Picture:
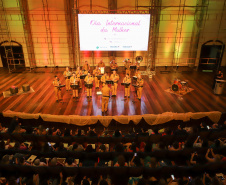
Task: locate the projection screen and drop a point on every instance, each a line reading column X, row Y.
column 114, row 32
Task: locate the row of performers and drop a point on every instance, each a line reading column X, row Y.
column 113, row 65
column 75, row 82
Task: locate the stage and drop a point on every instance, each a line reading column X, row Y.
column 155, row 99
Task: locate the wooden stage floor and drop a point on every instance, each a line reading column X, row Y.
column 155, row 100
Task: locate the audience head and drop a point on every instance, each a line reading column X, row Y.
column 162, row 182
column 89, row 149
column 217, row 158
column 155, row 130
column 15, row 118
column 205, row 143
column 161, row 145
column 148, row 147
column 2, row 145
column 175, row 145
column 133, row 147
column 92, row 133
column 53, row 161
column 102, row 148
column 198, row 158
column 67, row 132
column 85, row 182
column 203, row 125
column 137, row 161
column 215, row 126
column 217, row 143
column 179, row 127
column 153, row 162
column 79, row 132
column 103, row 182
column 17, row 145
column 142, row 182
column 121, row 160
column 5, row 159
column 168, row 131
column 117, row 133
column 197, row 181
column 69, row 161
column 37, row 162
column 119, row 147
column 75, row 146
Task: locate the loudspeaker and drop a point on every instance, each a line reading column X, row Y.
column 13, row 90
column 26, row 87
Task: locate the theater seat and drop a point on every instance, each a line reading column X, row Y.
column 40, row 170
column 105, row 140
column 119, row 175
column 79, row 139
column 104, row 171
column 135, row 171
column 67, row 139
column 5, row 136
column 152, row 172
column 142, row 138
column 155, row 138
column 54, row 139
column 92, row 140
column 70, row 171
column 167, row 139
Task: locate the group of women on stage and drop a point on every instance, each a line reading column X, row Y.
column 74, row 80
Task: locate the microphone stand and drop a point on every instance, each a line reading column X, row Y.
column 109, row 97
column 134, row 99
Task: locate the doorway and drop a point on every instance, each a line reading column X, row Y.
column 12, row 56
column 211, row 55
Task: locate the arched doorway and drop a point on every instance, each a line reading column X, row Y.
column 211, row 55
column 12, row 55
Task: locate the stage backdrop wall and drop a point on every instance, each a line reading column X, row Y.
column 174, row 38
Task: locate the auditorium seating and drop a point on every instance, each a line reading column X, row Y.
column 180, row 158
column 123, row 171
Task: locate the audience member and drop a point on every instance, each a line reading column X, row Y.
column 203, row 127
column 13, row 124
column 180, row 131
column 215, row 157
column 120, row 161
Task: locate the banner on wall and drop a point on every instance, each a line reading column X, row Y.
column 114, row 32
